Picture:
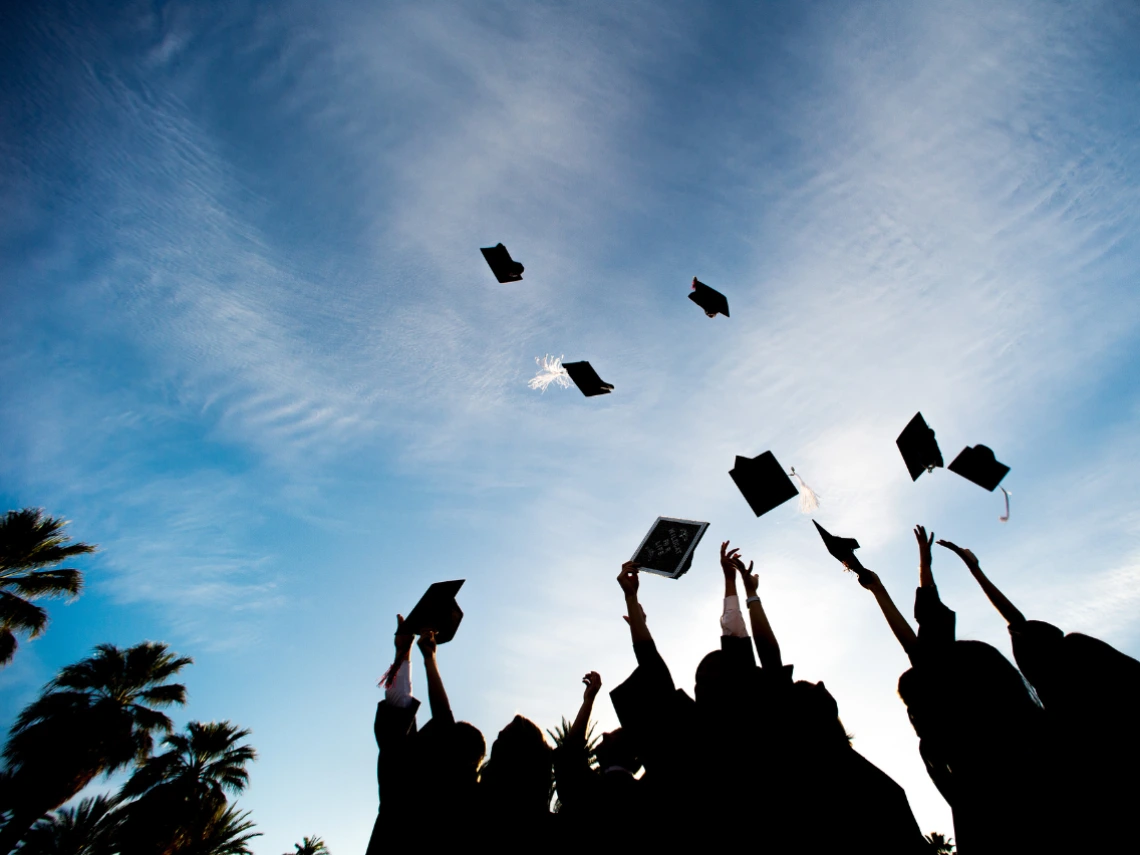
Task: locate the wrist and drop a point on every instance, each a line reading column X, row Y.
column 753, row 599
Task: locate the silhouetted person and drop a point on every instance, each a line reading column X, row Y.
column 515, row 786
column 395, row 729
column 982, row 735
column 810, row 785
column 1090, row 692
column 447, row 756
column 609, row 796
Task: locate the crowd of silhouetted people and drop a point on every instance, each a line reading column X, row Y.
column 1032, row 760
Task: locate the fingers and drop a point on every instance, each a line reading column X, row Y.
column 625, row 618
column 953, row 547
column 723, row 547
column 750, row 573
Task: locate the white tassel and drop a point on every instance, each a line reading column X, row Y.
column 1005, row 492
column 809, row 501
column 550, row 370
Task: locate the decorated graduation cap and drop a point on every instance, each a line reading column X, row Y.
column 436, row 611
column 918, row 447
column 842, row 549
column 668, row 548
column 978, row 464
column 505, row 268
column 763, row 482
column 587, row 379
column 709, row 299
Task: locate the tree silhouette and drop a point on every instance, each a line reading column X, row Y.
column 310, row 846
column 97, row 716
column 30, row 543
column 180, row 794
column 940, row 844
column 87, row 829
column 558, row 737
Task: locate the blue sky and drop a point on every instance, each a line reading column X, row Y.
column 250, row 348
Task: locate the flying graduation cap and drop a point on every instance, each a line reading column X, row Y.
column 977, row 463
column 587, row 379
column 437, row 610
column 505, row 268
column 763, row 482
column 974, row 463
column 842, row 549
column 918, row 447
column 709, row 299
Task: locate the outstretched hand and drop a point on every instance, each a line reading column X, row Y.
column 728, row 560
column 427, row 644
column 628, row 578
column 869, row 579
column 965, row 554
column 404, row 638
column 924, row 543
column 593, row 682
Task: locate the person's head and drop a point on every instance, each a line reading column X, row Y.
column 617, row 749
column 470, row 748
column 814, row 716
column 519, row 769
column 709, row 685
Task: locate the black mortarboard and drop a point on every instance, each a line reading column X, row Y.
column 709, row 299
column 919, row 448
column 977, row 464
column 503, row 266
column 436, row 610
column 763, row 482
column 842, row 549
column 587, row 379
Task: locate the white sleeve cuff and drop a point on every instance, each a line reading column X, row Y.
column 732, row 621
column 399, row 691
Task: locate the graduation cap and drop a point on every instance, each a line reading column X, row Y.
column 977, row 464
column 763, row 482
column 842, row 549
column 505, row 268
column 587, row 379
column 919, row 448
column 436, row 610
column 709, row 299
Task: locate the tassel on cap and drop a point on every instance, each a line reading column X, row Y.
column 1005, row 493
column 809, row 501
column 550, row 370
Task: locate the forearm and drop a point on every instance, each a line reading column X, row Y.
column 577, row 735
column 767, row 648
column 896, row 621
column 638, row 629
column 437, row 695
column 1008, row 610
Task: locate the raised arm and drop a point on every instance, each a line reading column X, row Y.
column 437, row 696
column 767, row 648
column 925, row 574
column 895, row 620
column 1008, row 610
column 577, row 734
column 731, row 619
column 629, row 581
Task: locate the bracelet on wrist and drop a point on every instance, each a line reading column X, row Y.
column 752, row 599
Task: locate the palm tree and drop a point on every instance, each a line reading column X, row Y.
column 227, row 832
column 940, row 844
column 84, row 830
column 29, row 544
column 97, row 716
column 310, row 846
column 180, row 793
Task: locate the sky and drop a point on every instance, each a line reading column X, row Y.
column 249, row 347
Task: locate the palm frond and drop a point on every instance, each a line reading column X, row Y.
column 63, row 582
column 16, row 613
